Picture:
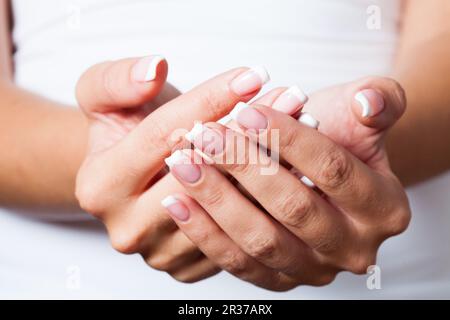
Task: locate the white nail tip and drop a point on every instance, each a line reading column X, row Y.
column 365, row 105
column 195, row 131
column 238, row 108
column 176, row 158
column 262, row 74
column 297, row 92
column 168, row 201
column 151, row 71
column 308, row 120
column 307, row 182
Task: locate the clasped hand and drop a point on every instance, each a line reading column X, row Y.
column 326, row 208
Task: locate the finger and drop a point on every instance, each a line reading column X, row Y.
column 139, row 156
column 171, row 252
column 299, row 208
column 346, row 180
column 252, row 230
column 217, row 246
column 201, row 269
column 113, row 85
column 377, row 102
column 287, row 100
column 133, row 224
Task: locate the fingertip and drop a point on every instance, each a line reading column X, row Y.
column 370, row 103
column 149, row 68
column 291, row 100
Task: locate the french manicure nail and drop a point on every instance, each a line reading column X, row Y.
column 195, row 131
column 209, row 141
column 308, row 120
column 370, row 101
column 145, row 69
column 290, row 101
column 249, row 117
column 176, row 208
column 182, row 167
column 250, row 81
column 307, row 182
column 233, row 113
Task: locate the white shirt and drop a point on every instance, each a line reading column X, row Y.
column 310, row 43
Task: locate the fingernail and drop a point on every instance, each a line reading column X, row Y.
column 145, row 69
column 195, row 131
column 250, row 118
column 233, row 113
column 209, row 141
column 370, row 101
column 176, row 208
column 290, row 101
column 250, row 81
column 307, row 182
column 308, row 120
column 182, row 167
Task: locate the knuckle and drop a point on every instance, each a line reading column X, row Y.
column 212, row 103
column 89, row 195
column 126, row 242
column 282, row 286
column 213, row 197
column 241, row 167
column 184, row 277
column 263, row 247
column 297, row 210
column 162, row 262
column 399, row 221
column 288, row 141
column 157, row 135
column 234, row 262
column 324, row 279
column 359, row 264
column 201, row 237
column 335, row 170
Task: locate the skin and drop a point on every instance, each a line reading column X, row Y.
column 312, row 236
column 26, row 186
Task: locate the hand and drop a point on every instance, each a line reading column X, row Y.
column 307, row 237
column 122, row 177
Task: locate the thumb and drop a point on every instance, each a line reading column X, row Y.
column 127, row 83
column 377, row 102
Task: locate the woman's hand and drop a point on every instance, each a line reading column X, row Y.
column 122, row 179
column 298, row 235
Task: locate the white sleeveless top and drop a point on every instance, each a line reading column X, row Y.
column 311, row 43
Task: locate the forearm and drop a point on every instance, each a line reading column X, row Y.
column 419, row 145
column 42, row 147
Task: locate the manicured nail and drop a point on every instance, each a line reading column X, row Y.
column 307, row 182
column 249, row 117
column 302, row 178
column 233, row 113
column 290, row 101
column 195, row 131
column 176, row 208
column 308, row 120
column 145, row 69
column 182, row 167
column 250, row 81
column 209, row 141
column 370, row 101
